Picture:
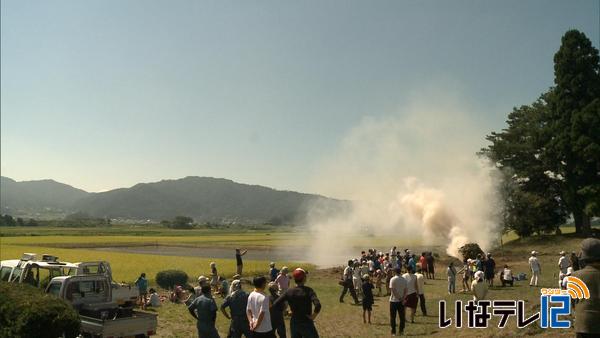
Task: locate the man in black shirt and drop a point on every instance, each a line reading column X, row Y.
column 301, row 299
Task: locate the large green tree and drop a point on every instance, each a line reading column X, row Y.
column 531, row 194
column 572, row 150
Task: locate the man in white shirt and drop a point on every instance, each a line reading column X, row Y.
column 347, row 282
column 257, row 310
column 563, row 263
column 421, row 285
column 398, row 292
column 536, row 269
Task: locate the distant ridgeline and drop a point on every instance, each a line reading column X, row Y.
column 204, row 199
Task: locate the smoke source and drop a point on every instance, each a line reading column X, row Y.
column 411, row 176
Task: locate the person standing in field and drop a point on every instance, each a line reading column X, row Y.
column 237, row 302
column 398, row 293
column 536, row 269
column 465, row 272
column 142, row 284
column 301, row 300
column 214, row 277
column 421, row 285
column 204, row 309
column 347, row 282
column 490, row 269
column 283, row 280
column 277, row 311
column 273, row 272
column 430, row 265
column 423, row 263
column 587, row 311
column 451, row 272
column 574, row 261
column 367, row 301
column 238, row 260
column 563, row 263
column 412, row 292
column 257, row 310
column 379, row 279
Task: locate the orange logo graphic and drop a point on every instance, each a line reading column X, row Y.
column 577, row 288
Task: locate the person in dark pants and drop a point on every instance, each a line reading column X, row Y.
column 347, row 282
column 398, row 288
column 237, row 302
column 301, row 300
column 204, row 309
column 277, row 320
column 238, row 260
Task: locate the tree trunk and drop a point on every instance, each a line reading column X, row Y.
column 586, row 225
column 578, row 217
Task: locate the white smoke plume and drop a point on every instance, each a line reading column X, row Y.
column 412, row 176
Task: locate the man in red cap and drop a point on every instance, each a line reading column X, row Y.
column 301, row 298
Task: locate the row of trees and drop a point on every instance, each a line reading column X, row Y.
column 9, row 221
column 549, row 153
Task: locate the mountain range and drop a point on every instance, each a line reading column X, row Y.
column 205, row 199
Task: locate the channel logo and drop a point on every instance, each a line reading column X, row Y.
column 576, row 288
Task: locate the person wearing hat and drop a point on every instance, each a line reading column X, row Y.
column 282, row 280
column 563, row 263
column 204, row 310
column 347, row 282
column 367, row 301
column 202, row 281
column 301, row 300
column 536, row 269
column 587, row 311
column 237, row 302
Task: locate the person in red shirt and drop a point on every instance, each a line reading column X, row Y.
column 423, row 262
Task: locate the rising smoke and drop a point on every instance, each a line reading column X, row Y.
column 413, row 176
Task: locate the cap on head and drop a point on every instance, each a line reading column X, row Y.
column 299, row 274
column 533, row 253
column 272, row 264
column 590, row 249
column 562, row 253
column 236, row 276
column 365, row 276
column 569, row 270
column 284, row 270
column 202, row 279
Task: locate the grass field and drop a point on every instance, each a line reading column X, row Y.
column 336, row 320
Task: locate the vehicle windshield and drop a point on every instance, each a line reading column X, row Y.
column 16, row 273
column 40, row 276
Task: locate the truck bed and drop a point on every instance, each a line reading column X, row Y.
column 139, row 323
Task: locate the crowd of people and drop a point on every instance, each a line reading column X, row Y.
column 405, row 290
column 399, row 275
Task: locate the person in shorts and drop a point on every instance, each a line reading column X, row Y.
column 367, row 301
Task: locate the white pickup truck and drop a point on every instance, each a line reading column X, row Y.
column 123, row 294
column 91, row 296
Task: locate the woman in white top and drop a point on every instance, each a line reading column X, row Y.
column 412, row 292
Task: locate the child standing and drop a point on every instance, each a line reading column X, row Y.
column 367, row 301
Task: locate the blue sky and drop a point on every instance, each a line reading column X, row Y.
column 105, row 94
